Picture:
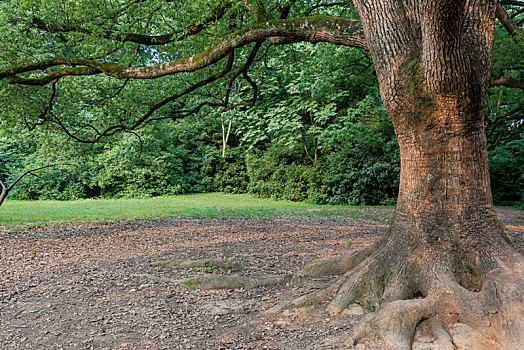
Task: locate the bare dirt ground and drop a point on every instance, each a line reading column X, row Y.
column 76, row 288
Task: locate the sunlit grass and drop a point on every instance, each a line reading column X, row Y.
column 27, row 214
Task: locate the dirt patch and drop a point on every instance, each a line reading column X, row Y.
column 76, row 288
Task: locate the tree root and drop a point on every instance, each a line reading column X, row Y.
column 337, row 265
column 395, row 322
column 203, row 263
column 209, row 281
column 442, row 338
column 432, row 301
column 308, row 300
column 421, row 298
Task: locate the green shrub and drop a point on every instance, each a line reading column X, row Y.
column 362, row 155
column 227, row 174
column 507, row 173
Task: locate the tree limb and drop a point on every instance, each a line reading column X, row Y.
column 508, row 23
column 146, row 117
column 336, row 30
column 507, row 81
column 136, row 38
column 29, row 172
column 55, row 75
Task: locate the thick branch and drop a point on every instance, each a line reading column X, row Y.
column 507, row 81
column 507, row 22
column 336, row 30
column 147, row 116
column 55, row 75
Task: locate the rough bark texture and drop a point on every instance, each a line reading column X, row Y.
column 445, row 256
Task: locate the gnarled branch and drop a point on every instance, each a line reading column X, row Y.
column 146, row 118
column 336, row 30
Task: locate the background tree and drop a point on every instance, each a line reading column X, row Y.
column 5, row 189
column 445, row 258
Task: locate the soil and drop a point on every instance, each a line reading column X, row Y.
column 77, row 288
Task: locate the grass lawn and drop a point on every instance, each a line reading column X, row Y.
column 29, row 214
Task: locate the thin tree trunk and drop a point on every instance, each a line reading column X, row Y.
column 6, row 189
column 225, row 137
column 3, row 194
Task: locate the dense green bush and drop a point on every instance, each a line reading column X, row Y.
column 281, row 173
column 171, row 160
column 318, row 133
column 363, row 161
column 226, row 174
column 359, row 163
column 507, row 173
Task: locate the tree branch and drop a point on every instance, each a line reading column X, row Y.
column 5, row 190
column 331, row 4
column 53, row 76
column 513, row 3
column 506, row 117
column 508, row 23
column 335, row 30
column 146, row 117
column 507, row 81
column 136, row 38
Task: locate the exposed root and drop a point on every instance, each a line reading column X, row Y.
column 395, row 323
column 337, row 265
column 310, row 299
column 456, row 318
column 442, row 338
column 203, row 263
column 364, row 282
column 417, row 294
column 208, row 281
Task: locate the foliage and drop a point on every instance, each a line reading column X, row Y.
column 318, row 132
column 504, row 105
column 364, row 161
column 227, row 174
column 507, row 173
column 277, row 174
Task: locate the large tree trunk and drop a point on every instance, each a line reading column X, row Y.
column 445, row 256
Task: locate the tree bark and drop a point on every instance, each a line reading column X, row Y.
column 3, row 194
column 433, row 62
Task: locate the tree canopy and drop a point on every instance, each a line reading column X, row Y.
column 290, row 84
column 95, row 69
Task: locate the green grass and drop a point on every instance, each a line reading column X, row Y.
column 31, row 214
